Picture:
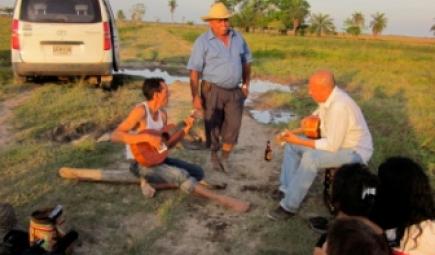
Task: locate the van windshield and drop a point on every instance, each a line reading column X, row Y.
column 61, row 11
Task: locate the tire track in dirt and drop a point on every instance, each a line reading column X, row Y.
column 6, row 108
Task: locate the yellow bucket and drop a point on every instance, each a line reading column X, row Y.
column 42, row 227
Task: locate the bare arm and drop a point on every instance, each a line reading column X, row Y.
column 294, row 139
column 246, row 78
column 122, row 132
column 180, row 133
column 246, row 74
column 194, row 86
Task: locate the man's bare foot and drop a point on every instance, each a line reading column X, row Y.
column 146, row 188
column 242, row 208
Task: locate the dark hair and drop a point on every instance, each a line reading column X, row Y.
column 354, row 190
column 352, row 236
column 151, row 86
column 405, row 195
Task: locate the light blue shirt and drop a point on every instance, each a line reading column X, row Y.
column 220, row 64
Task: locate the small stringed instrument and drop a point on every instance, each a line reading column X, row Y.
column 310, row 128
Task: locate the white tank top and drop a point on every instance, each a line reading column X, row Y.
column 151, row 124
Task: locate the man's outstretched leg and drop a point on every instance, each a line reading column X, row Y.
column 181, row 178
column 226, row 201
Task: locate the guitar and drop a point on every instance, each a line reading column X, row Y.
column 147, row 155
column 310, row 127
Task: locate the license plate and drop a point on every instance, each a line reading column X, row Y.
column 62, row 50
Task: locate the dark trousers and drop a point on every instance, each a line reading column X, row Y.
column 223, row 114
column 194, row 171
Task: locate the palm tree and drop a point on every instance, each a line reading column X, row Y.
column 433, row 29
column 172, row 5
column 358, row 19
column 355, row 24
column 379, row 23
column 120, row 15
column 321, row 24
column 137, row 12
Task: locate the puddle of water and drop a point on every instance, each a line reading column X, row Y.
column 260, row 86
column 257, row 87
column 156, row 73
column 272, row 116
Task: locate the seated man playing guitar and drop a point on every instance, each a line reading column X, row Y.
column 148, row 138
column 344, row 138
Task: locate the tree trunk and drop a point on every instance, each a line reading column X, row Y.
column 109, row 176
column 296, row 25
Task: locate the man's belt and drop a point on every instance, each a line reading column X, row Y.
column 206, row 86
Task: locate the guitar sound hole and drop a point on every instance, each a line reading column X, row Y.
column 165, row 136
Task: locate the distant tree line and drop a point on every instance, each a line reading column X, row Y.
column 6, row 11
column 138, row 11
column 281, row 16
column 295, row 16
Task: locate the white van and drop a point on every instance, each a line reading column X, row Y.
column 64, row 38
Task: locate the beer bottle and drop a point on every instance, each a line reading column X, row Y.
column 268, row 152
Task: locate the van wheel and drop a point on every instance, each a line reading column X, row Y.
column 94, row 81
column 106, row 85
column 106, row 82
column 19, row 79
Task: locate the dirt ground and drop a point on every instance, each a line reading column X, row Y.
column 251, row 179
column 208, row 228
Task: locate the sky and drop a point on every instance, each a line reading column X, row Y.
column 405, row 17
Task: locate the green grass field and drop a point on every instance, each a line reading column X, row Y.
column 393, row 81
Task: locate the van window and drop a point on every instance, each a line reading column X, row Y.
column 61, row 11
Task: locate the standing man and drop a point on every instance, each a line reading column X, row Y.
column 345, row 138
column 221, row 59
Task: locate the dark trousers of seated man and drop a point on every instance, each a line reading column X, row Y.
column 174, row 171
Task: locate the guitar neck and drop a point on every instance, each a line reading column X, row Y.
column 297, row 130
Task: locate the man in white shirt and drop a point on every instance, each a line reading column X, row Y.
column 345, row 138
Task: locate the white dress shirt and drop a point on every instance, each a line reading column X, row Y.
column 343, row 126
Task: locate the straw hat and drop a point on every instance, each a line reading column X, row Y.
column 217, row 11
